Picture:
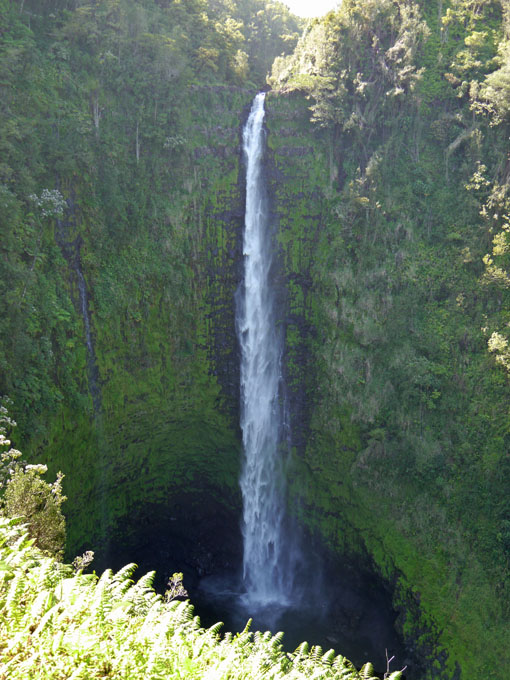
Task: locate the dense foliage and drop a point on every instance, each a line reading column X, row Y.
column 91, row 106
column 120, row 206
column 24, row 494
column 408, row 307
column 58, row 624
column 108, row 189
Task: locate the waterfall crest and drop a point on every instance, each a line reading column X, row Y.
column 262, row 404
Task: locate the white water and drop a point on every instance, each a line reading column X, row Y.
column 266, row 576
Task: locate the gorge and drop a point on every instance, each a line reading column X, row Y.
column 386, row 174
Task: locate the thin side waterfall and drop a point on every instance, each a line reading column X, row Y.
column 91, row 355
column 265, row 563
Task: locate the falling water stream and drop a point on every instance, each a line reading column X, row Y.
column 91, row 356
column 265, row 574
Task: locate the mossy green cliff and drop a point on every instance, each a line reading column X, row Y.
column 387, row 187
column 117, row 345
column 161, row 311
column 384, row 374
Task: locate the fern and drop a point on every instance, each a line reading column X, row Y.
column 215, row 628
column 57, row 624
column 277, row 640
column 302, row 650
column 121, row 581
column 328, row 657
column 341, row 662
column 367, row 672
column 145, row 583
column 46, row 577
column 101, row 603
column 316, row 653
column 14, row 603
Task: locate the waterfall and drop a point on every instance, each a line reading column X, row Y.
column 71, row 252
column 91, row 356
column 265, row 560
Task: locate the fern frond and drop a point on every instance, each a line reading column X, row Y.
column 277, row 639
column 45, row 574
column 14, row 604
column 303, row 649
column 121, row 581
column 125, row 573
column 46, row 620
column 341, row 662
column 39, row 605
column 145, row 583
column 102, row 601
column 105, row 578
column 184, row 612
column 215, row 629
column 316, row 653
column 367, row 672
column 328, row 657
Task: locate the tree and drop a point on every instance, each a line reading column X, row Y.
column 27, row 495
column 357, row 63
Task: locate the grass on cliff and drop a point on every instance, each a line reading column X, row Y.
column 56, row 623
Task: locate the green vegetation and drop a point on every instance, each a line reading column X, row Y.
column 58, row 624
column 110, row 106
column 401, row 187
column 120, row 176
column 25, row 495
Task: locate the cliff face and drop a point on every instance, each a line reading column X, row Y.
column 118, row 341
column 120, row 224
column 384, row 364
column 391, row 384
column 155, row 451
